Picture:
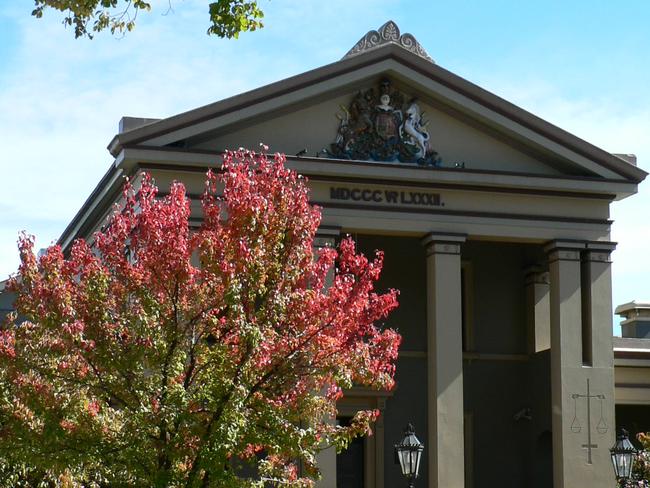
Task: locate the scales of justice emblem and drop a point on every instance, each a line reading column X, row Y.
column 601, row 426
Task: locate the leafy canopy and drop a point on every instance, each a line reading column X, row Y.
column 641, row 467
column 228, row 18
column 165, row 356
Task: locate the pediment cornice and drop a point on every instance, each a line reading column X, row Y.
column 389, row 58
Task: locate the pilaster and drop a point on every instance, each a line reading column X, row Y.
column 581, row 375
column 537, row 309
column 326, row 459
column 598, row 267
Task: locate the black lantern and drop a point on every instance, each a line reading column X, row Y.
column 623, row 455
column 408, row 453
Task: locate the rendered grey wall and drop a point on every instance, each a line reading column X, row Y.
column 404, row 270
column 313, row 126
column 496, row 388
column 498, row 295
column 6, row 303
column 505, row 452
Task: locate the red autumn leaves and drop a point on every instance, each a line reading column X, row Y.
column 167, row 350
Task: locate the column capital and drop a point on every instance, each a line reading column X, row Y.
column 599, row 251
column 564, row 249
column 326, row 236
column 440, row 243
column 328, row 231
column 536, row 275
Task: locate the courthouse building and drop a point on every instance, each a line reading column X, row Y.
column 496, row 229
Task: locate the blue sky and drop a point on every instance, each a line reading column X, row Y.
column 582, row 65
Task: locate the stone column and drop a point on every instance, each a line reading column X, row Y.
column 581, row 376
column 326, row 459
column 445, row 361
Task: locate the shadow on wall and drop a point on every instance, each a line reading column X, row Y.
column 543, row 467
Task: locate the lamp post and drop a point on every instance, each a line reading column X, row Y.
column 408, row 453
column 623, row 454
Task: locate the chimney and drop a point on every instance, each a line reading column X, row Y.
column 129, row 123
column 636, row 315
column 628, row 158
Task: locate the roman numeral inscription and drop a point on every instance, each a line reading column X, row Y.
column 373, row 195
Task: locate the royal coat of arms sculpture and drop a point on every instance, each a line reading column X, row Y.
column 380, row 125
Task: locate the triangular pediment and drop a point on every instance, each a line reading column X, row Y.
column 407, row 130
column 480, row 149
column 464, row 126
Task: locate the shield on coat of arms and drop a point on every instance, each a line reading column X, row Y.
column 386, row 125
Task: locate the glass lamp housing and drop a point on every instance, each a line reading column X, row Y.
column 409, row 452
column 623, row 454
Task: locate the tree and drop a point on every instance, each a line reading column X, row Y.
column 159, row 356
column 228, row 18
column 641, row 467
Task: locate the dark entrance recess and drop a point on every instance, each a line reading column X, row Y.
column 543, row 461
column 349, row 463
column 634, row 419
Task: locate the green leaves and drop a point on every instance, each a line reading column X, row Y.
column 228, row 18
column 231, row 17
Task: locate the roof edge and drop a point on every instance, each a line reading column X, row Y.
column 386, row 51
column 110, row 179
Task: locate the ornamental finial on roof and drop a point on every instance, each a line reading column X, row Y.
column 388, row 34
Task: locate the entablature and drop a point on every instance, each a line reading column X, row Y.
column 395, row 173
